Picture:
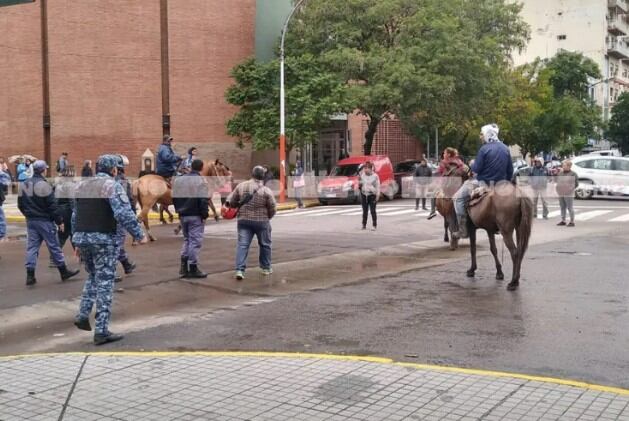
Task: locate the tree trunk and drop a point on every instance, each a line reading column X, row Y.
column 372, row 128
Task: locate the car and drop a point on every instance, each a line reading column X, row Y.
column 342, row 183
column 521, row 175
column 404, row 173
column 519, row 163
column 601, row 175
column 553, row 167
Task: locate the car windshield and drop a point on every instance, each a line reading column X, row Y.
column 345, row 170
column 405, row 167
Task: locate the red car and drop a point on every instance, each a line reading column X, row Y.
column 342, row 183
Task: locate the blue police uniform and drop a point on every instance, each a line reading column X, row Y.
column 95, row 237
column 37, row 203
column 121, row 233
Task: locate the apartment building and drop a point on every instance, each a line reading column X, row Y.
column 597, row 28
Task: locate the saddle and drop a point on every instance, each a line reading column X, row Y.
column 478, row 195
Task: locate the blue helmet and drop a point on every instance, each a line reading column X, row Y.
column 106, row 163
column 119, row 162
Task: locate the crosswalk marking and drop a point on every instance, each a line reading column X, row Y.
column 586, row 216
column 622, row 218
column 404, row 212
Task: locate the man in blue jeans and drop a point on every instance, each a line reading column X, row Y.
column 257, row 208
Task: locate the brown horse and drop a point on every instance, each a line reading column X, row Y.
column 504, row 209
column 444, row 204
column 151, row 190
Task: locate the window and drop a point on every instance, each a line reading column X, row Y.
column 621, row 165
column 345, row 170
column 602, row 164
column 589, row 164
column 561, row 37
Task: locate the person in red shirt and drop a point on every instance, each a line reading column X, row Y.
column 451, row 165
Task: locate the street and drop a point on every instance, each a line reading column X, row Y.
column 397, row 292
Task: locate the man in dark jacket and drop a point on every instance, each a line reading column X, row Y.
column 492, row 165
column 37, row 203
column 422, row 178
column 190, row 197
column 167, row 160
column 538, row 179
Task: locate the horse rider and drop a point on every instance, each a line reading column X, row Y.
column 492, row 165
column 101, row 205
column 187, row 163
column 121, row 234
column 167, row 161
column 451, row 165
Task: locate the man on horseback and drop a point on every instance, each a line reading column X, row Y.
column 167, row 161
column 492, row 164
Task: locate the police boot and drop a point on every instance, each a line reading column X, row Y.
column 194, row 272
column 102, row 339
column 67, row 274
column 183, row 269
column 30, row 277
column 128, row 266
column 462, row 233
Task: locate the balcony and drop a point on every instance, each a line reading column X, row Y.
column 619, row 5
column 617, row 47
column 617, row 24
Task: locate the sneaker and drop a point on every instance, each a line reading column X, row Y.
column 561, row 224
column 240, row 275
column 364, row 227
column 432, row 215
column 571, row 224
column 267, row 272
column 374, row 228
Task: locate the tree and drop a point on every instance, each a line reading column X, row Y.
column 570, row 73
column 619, row 123
column 313, row 95
column 427, row 62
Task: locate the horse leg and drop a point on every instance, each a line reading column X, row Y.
column 446, row 239
column 211, row 204
column 161, row 214
column 144, row 217
column 454, row 241
column 171, row 218
column 494, row 251
column 507, row 237
column 472, row 236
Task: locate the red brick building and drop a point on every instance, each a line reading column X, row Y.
column 116, row 70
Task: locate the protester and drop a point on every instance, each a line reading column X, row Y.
column 24, row 170
column 187, row 163
column 121, row 235
column 5, row 182
column 167, row 160
column 64, row 194
column 87, row 171
column 492, row 165
column 268, row 175
column 452, row 167
column 3, row 166
column 567, row 182
column 62, row 164
column 101, row 205
column 190, row 197
column 538, row 180
column 422, row 179
column 37, row 203
column 299, row 183
column 369, row 185
column 257, row 208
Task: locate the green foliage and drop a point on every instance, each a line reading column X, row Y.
column 619, row 123
column 570, row 73
column 312, row 96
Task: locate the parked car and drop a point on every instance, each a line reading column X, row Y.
column 521, row 175
column 601, row 175
column 553, row 167
column 342, row 183
column 404, row 173
column 519, row 163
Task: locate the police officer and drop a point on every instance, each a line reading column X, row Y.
column 101, row 205
column 121, row 234
column 37, row 203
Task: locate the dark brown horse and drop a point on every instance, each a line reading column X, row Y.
column 449, row 184
column 504, row 209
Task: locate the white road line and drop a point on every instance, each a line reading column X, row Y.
column 551, row 214
column 406, row 211
column 586, row 216
column 309, row 212
column 622, row 218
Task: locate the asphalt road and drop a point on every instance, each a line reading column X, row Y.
column 568, row 319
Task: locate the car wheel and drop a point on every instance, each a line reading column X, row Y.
column 323, row 202
column 584, row 193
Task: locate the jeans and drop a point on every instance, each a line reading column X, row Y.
column 369, row 204
column 537, row 194
column 421, row 193
column 3, row 224
column 38, row 231
column 246, row 231
column 462, row 196
column 193, row 228
column 299, row 192
column 566, row 203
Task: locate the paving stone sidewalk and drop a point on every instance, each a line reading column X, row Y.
column 271, row 387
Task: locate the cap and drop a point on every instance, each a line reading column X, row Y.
column 167, row 138
column 40, row 166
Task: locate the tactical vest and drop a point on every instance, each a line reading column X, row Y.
column 94, row 214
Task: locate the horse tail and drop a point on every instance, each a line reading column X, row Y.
column 523, row 231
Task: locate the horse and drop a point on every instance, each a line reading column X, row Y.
column 445, row 205
column 502, row 209
column 152, row 189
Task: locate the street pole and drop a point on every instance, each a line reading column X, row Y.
column 437, row 144
column 45, row 71
column 283, row 108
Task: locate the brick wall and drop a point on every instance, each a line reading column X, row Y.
column 105, row 77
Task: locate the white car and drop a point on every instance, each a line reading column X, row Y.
column 601, row 174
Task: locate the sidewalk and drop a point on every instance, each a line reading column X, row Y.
column 261, row 386
column 14, row 215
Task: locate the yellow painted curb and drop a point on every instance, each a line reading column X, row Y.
column 377, row 360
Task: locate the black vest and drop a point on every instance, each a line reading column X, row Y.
column 94, row 214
